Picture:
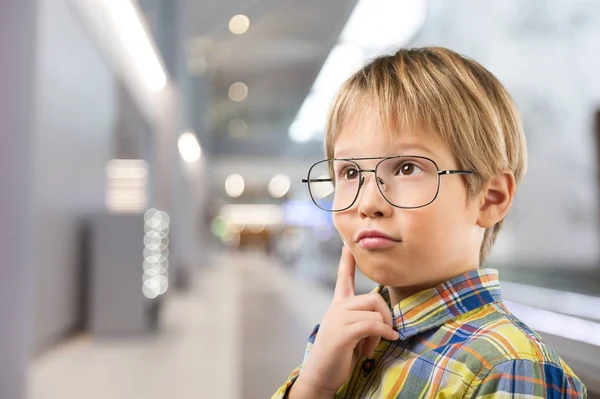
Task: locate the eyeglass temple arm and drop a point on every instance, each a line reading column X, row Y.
column 455, row 172
column 315, row 180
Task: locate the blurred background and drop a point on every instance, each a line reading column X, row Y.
column 156, row 238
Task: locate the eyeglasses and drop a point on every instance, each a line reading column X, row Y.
column 406, row 182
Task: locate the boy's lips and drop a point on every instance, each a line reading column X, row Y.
column 374, row 239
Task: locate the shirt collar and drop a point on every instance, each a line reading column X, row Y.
column 435, row 306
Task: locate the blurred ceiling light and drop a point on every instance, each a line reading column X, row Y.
column 300, row 131
column 311, row 118
column 343, row 60
column 239, row 24
column 234, row 185
column 189, row 148
column 374, row 27
column 127, row 169
column 126, row 18
column 384, row 25
column 279, row 186
column 237, row 127
column 126, row 185
column 238, row 91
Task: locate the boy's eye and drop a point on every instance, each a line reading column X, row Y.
column 349, row 173
column 408, row 169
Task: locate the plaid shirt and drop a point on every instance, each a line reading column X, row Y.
column 457, row 340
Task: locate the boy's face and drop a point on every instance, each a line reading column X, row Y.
column 430, row 244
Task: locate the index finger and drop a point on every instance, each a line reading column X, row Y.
column 344, row 285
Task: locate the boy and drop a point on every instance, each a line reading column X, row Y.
column 424, row 153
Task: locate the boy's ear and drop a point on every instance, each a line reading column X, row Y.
column 496, row 199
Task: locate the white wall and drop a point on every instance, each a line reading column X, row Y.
column 75, row 122
column 17, row 20
column 547, row 55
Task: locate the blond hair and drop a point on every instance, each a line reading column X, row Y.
column 443, row 92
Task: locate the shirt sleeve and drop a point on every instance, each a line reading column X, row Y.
column 285, row 388
column 528, row 379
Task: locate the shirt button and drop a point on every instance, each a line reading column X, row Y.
column 367, row 366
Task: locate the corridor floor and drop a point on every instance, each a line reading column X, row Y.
column 231, row 336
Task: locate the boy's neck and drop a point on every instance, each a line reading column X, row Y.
column 398, row 294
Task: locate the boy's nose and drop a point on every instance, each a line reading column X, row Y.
column 371, row 203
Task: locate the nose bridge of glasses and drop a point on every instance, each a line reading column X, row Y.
column 362, row 175
column 378, row 182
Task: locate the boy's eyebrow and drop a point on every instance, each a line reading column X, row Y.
column 403, row 151
column 418, row 147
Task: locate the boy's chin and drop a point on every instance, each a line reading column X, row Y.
column 393, row 274
column 386, row 276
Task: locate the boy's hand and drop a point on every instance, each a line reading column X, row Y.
column 352, row 326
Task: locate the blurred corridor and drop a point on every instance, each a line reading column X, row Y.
column 240, row 302
column 236, row 304
column 156, row 238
